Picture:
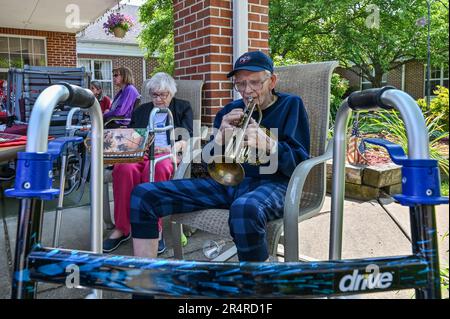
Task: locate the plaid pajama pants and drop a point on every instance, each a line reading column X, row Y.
column 252, row 204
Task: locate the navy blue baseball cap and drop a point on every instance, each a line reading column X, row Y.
column 252, row 61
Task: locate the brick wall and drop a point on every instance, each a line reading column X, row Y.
column 258, row 21
column 394, row 77
column 415, row 79
column 61, row 47
column 204, row 46
column 134, row 63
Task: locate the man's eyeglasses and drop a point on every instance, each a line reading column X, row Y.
column 253, row 84
column 163, row 96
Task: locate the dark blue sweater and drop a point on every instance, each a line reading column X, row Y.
column 289, row 116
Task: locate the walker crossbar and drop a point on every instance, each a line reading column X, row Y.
column 232, row 280
column 251, row 279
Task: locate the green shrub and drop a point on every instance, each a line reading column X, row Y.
column 438, row 106
column 339, row 86
column 392, row 127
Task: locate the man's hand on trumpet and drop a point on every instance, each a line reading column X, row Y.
column 256, row 138
column 229, row 123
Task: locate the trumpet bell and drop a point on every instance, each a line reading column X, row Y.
column 227, row 174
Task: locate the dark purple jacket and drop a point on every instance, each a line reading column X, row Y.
column 122, row 105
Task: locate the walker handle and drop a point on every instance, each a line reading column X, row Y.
column 79, row 97
column 368, row 99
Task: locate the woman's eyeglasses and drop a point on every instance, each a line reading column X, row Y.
column 163, row 96
column 116, row 75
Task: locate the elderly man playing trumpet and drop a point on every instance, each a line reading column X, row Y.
column 258, row 197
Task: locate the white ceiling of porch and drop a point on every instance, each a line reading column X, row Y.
column 52, row 15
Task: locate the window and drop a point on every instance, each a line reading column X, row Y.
column 366, row 84
column 17, row 51
column 101, row 70
column 439, row 76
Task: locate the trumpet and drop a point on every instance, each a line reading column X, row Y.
column 227, row 169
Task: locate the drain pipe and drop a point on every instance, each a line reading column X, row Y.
column 240, row 32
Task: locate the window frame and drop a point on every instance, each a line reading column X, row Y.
column 441, row 79
column 91, row 62
column 5, row 70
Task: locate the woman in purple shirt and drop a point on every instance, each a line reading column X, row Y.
column 123, row 103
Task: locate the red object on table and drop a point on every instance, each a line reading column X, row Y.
column 8, row 140
column 19, row 129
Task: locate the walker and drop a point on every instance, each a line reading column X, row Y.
column 421, row 191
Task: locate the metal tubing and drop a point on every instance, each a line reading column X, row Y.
column 416, row 129
column 41, row 115
column 338, row 182
column 152, row 129
column 418, row 148
column 38, row 142
column 59, row 207
column 30, row 212
column 70, row 130
column 425, row 243
column 29, row 233
column 96, row 182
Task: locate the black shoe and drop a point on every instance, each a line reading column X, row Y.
column 161, row 246
column 110, row 245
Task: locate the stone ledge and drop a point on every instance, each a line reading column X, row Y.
column 364, row 182
column 383, row 175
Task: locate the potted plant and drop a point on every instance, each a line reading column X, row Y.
column 118, row 24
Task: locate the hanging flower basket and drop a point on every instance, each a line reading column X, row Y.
column 118, row 24
column 119, row 32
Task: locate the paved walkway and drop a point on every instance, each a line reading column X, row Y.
column 369, row 231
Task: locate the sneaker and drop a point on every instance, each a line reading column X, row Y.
column 161, row 246
column 110, row 244
column 184, row 240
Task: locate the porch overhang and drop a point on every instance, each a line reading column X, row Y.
column 69, row 16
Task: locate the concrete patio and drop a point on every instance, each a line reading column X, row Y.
column 369, row 231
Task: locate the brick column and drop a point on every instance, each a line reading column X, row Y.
column 204, row 46
column 258, row 25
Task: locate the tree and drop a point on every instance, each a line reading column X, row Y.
column 370, row 37
column 157, row 36
column 375, row 36
column 294, row 24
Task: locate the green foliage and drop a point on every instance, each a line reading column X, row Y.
column 438, row 106
column 444, row 188
column 375, row 36
column 4, row 63
column 157, row 36
column 339, row 87
column 17, row 63
column 278, row 60
column 392, row 127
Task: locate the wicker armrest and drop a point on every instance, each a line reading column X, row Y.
column 183, row 169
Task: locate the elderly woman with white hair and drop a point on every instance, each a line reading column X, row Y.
column 162, row 89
